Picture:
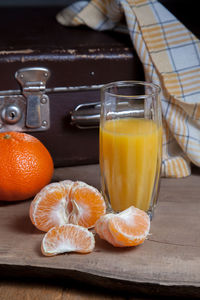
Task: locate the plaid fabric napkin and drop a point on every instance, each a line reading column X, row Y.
column 170, row 55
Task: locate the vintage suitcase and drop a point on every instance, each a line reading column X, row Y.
column 47, row 71
column 50, row 77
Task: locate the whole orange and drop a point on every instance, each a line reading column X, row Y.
column 26, row 166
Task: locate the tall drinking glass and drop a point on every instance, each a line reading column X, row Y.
column 130, row 145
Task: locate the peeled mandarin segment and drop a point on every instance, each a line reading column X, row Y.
column 130, row 227
column 88, row 205
column 67, row 238
column 101, row 228
column 50, row 206
column 108, row 235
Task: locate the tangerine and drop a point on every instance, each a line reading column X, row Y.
column 67, row 202
column 26, row 166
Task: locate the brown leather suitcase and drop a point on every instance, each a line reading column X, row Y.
column 50, row 77
column 47, row 71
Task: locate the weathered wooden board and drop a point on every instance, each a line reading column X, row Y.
column 168, row 262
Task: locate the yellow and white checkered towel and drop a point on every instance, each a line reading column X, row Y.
column 170, row 55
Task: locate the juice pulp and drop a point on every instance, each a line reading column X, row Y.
column 130, row 154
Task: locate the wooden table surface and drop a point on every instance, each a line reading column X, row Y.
column 35, row 290
column 179, row 200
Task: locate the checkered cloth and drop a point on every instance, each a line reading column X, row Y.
column 170, row 55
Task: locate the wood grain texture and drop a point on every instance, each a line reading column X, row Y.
column 168, row 262
column 37, row 291
column 48, row 291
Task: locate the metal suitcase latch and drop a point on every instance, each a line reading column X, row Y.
column 86, row 116
column 28, row 110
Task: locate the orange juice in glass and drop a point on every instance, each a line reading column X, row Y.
column 130, row 145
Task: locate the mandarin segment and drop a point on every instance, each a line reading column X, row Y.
column 130, row 227
column 127, row 228
column 67, row 238
column 88, row 204
column 101, row 227
column 51, row 206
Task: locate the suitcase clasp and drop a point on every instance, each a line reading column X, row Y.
column 29, row 110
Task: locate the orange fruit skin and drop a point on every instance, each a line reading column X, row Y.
column 26, row 166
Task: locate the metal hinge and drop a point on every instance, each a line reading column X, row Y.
column 29, row 110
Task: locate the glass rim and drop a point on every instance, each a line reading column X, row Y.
column 155, row 88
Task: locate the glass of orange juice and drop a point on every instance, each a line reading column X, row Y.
column 130, row 144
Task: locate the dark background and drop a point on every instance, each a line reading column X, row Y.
column 35, row 2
